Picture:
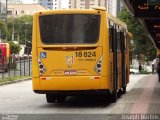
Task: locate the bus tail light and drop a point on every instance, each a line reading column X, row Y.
column 42, row 69
column 98, row 66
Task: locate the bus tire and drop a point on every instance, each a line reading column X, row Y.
column 114, row 96
column 50, row 98
column 60, row 99
column 124, row 90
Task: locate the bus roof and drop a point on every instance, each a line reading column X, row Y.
column 94, row 10
column 116, row 20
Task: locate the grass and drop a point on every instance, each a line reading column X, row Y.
column 7, row 79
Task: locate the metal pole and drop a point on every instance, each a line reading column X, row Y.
column 20, row 66
column 6, row 11
column 29, row 65
column 24, row 66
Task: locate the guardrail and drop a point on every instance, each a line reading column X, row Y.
column 17, row 66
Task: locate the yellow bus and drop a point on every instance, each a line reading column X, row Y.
column 79, row 52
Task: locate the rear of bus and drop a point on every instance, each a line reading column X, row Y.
column 67, row 52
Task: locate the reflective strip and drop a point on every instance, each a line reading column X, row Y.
column 98, row 67
column 42, row 69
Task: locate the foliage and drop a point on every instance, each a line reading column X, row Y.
column 12, row 79
column 15, row 48
column 13, row 65
column 21, row 27
column 3, row 30
column 143, row 46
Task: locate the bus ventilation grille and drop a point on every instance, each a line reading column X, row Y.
column 98, row 67
column 42, row 69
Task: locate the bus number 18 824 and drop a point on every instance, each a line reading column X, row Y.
column 86, row 54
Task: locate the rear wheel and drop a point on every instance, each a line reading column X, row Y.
column 114, row 96
column 51, row 98
column 60, row 99
column 123, row 90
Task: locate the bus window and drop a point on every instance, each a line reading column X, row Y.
column 114, row 39
column 123, row 41
column 118, row 41
column 69, row 28
column 111, row 34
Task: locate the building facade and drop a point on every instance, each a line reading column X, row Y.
column 50, row 4
column 2, row 10
column 112, row 6
column 87, row 4
column 15, row 10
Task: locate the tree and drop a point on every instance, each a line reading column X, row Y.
column 14, row 48
column 3, row 30
column 143, row 45
column 21, row 27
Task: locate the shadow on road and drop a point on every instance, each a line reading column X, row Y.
column 83, row 102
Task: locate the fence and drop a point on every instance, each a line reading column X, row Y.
column 18, row 66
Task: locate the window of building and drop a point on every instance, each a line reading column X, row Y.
column 22, row 12
column 9, row 12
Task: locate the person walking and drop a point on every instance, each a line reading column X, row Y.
column 140, row 68
column 158, row 70
column 154, row 65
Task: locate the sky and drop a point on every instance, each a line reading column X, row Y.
column 64, row 2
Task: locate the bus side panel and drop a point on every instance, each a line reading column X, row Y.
column 105, row 81
column 119, row 60
column 36, row 83
column 111, row 78
column 128, row 38
column 35, row 73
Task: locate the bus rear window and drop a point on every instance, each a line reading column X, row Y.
column 69, row 28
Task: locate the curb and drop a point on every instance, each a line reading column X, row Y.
column 11, row 82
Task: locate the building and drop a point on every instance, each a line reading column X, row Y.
column 2, row 10
column 50, row 4
column 112, row 6
column 87, row 4
column 15, row 10
column 14, row 1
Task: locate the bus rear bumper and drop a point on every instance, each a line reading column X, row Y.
column 71, row 83
column 74, row 92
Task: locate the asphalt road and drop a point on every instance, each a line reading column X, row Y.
column 20, row 102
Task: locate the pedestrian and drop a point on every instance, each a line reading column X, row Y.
column 154, row 64
column 158, row 71
column 140, row 68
